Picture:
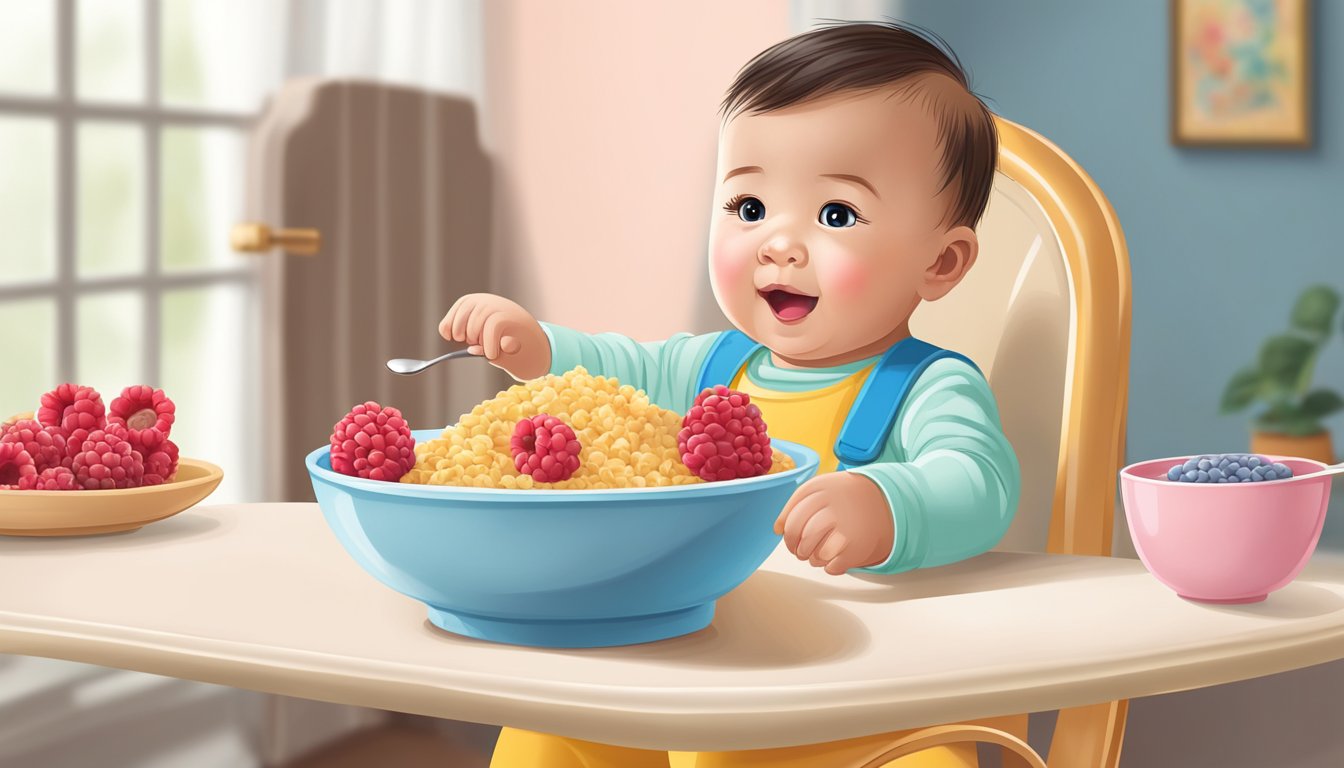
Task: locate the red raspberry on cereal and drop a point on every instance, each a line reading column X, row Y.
column 77, row 410
column 107, row 460
column 46, row 445
column 53, row 479
column 373, row 442
column 723, row 436
column 160, row 463
column 145, row 412
column 16, row 467
column 545, row 448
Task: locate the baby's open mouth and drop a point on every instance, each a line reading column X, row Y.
column 788, row 305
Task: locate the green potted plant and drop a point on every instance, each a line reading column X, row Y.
column 1290, row 424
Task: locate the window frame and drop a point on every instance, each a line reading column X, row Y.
column 67, row 112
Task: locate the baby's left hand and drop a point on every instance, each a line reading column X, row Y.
column 838, row 521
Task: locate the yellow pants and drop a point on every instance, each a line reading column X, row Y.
column 528, row 749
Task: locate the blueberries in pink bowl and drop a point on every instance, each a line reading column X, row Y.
column 1228, row 468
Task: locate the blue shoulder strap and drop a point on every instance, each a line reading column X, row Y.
column 873, row 414
column 726, row 357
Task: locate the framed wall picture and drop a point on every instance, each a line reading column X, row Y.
column 1241, row 72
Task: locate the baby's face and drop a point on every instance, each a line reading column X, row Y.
column 827, row 229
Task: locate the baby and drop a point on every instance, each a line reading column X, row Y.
column 854, row 164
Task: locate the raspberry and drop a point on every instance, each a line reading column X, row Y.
column 373, row 442
column 723, row 436
column 146, row 413
column 46, row 445
column 12, row 420
column 106, row 459
column 545, row 448
column 52, row 479
column 76, row 409
column 160, row 463
column 16, row 467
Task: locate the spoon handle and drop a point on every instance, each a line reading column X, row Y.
column 1331, row 469
column 449, row 356
column 408, row 367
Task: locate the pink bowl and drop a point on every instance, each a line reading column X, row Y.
column 1228, row 542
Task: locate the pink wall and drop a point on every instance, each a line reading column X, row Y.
column 601, row 119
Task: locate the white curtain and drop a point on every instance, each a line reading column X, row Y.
column 431, row 44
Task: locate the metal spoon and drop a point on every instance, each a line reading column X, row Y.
column 406, row 366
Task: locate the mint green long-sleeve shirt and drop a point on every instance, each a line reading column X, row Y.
column 949, row 475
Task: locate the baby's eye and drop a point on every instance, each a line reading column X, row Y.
column 747, row 208
column 837, row 215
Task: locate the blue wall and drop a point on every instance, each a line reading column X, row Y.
column 1220, row 241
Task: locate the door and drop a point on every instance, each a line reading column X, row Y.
column 370, row 208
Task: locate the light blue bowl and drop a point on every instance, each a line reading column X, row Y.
column 563, row 569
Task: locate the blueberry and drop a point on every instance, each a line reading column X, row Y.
column 1271, row 475
column 1244, row 473
column 1216, row 474
column 1201, row 476
column 1174, row 473
column 1233, row 467
column 1205, row 464
column 1254, row 462
column 1224, row 463
column 1222, row 479
column 1190, row 465
column 1258, row 474
column 1233, row 479
column 1190, row 476
column 1282, row 470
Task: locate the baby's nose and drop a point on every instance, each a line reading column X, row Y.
column 783, row 249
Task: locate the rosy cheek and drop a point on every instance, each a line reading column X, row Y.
column 731, row 260
column 848, row 278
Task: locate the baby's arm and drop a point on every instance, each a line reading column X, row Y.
column 666, row 370
column 513, row 340
column 949, row 474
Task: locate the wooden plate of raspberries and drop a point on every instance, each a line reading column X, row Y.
column 75, row 467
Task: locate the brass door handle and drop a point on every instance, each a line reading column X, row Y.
column 257, row 238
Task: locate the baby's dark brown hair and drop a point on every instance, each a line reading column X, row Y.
column 876, row 55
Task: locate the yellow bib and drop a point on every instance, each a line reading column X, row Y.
column 812, row 418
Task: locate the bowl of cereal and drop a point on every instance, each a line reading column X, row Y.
column 1225, row 528
column 633, row 547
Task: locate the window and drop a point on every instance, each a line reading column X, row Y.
column 123, row 148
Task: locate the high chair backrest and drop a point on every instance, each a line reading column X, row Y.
column 1045, row 313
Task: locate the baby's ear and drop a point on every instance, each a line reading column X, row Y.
column 959, row 249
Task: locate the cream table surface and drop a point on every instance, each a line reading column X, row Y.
column 263, row 597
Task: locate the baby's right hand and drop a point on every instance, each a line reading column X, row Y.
column 508, row 335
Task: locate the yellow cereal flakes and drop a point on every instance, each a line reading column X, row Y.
column 628, row 442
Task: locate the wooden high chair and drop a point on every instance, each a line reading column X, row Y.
column 1045, row 313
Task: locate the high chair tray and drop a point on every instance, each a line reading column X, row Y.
column 263, row 597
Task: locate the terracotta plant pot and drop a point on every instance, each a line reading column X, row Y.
column 1315, row 446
